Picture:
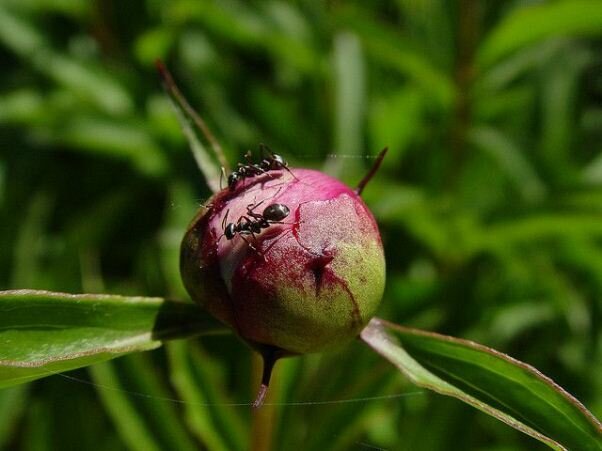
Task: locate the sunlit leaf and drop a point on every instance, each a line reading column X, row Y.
column 237, row 22
column 495, row 383
column 349, row 75
column 114, row 139
column 592, row 173
column 386, row 127
column 530, row 24
column 391, row 49
column 42, row 333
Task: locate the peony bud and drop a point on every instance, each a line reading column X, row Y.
column 306, row 274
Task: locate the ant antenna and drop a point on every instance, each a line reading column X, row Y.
column 172, row 89
column 222, row 176
column 379, row 159
column 225, row 219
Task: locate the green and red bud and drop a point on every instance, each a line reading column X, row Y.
column 303, row 283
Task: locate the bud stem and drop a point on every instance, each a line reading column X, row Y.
column 269, row 359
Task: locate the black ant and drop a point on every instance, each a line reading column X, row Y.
column 270, row 162
column 252, row 223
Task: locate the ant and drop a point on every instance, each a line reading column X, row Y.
column 252, row 223
column 270, row 162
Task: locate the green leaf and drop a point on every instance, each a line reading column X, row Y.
column 209, row 414
column 131, row 426
column 12, row 404
column 391, row 49
column 42, row 333
column 349, row 79
column 141, row 404
column 89, row 81
column 115, row 139
column 531, row 24
column 495, row 383
column 510, row 159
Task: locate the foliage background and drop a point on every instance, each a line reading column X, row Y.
column 490, row 200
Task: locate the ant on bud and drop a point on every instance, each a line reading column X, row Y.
column 269, row 162
column 253, row 223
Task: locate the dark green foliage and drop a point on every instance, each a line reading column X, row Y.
column 490, row 200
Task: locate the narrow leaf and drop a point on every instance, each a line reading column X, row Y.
column 12, row 405
column 390, row 48
column 91, row 82
column 132, row 428
column 349, row 80
column 208, row 412
column 42, row 333
column 495, row 383
column 511, row 160
column 534, row 23
column 135, row 382
column 192, row 124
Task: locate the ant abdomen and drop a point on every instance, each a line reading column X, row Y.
column 276, row 212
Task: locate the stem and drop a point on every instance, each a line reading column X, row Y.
column 263, row 418
column 269, row 359
column 468, row 32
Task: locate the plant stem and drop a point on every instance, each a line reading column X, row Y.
column 469, row 14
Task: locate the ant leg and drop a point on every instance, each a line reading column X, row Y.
column 257, row 169
column 261, row 254
column 250, row 245
column 246, row 241
column 245, row 218
column 225, row 219
column 277, row 192
column 287, row 169
column 251, row 209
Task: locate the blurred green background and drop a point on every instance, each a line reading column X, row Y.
column 489, row 201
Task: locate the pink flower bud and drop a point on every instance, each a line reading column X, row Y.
column 286, row 283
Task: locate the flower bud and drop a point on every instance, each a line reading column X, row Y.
column 292, row 260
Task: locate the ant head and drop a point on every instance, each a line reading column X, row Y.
column 278, row 162
column 230, row 231
column 233, row 178
column 276, row 212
